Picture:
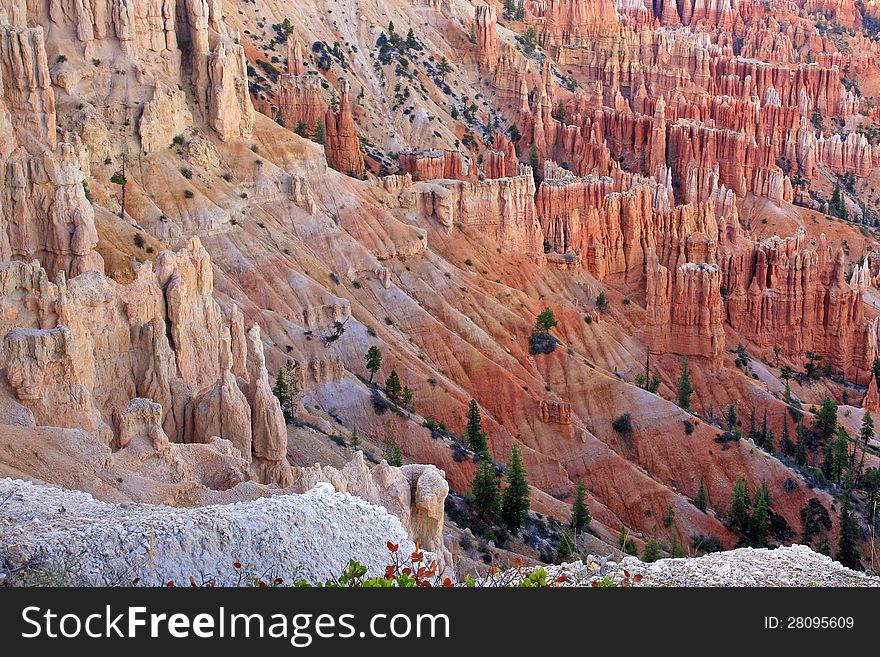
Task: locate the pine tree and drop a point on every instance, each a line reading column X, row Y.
column 760, row 523
column 754, row 436
column 787, row 396
column 651, row 551
column 871, row 484
column 738, row 515
column 355, row 440
column 565, row 548
column 301, row 129
column 764, row 435
column 486, row 487
column 825, row 429
column 282, row 392
column 848, row 545
column 392, row 453
column 685, row 388
column 788, row 447
column 841, row 454
column 444, row 68
column 732, row 420
column 580, row 513
column 534, row 160
column 800, row 451
column 406, row 398
column 601, row 302
column 866, row 433
column 559, row 114
column 473, row 433
column 373, row 360
column 701, row 500
column 838, row 203
column 545, row 321
column 320, row 133
column 515, row 501
column 393, row 387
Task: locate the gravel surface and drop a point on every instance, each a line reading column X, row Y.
column 796, row 565
column 54, row 536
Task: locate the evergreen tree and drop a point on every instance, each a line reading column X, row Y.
column 651, row 551
column 445, row 68
column 601, row 302
column 754, row 436
column 282, row 392
column 302, row 129
column 848, row 545
column 486, row 488
column 838, row 203
column 738, row 515
column 320, row 133
column 732, row 420
column 760, row 523
column 515, row 501
column 764, row 435
column 825, row 430
column 685, row 388
column 580, row 513
column 533, row 160
column 871, row 485
column 355, row 440
column 627, row 544
column 473, row 433
column 565, row 548
column 788, row 447
column 411, row 41
column 373, row 360
column 866, row 433
column 545, row 321
column 406, row 398
column 800, row 450
column 559, row 114
column 841, row 454
column 392, row 453
column 393, row 387
column 701, row 501
column 787, row 396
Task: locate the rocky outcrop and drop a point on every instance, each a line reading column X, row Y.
column 142, row 419
column 871, row 402
column 685, row 309
column 219, row 71
column 46, row 215
column 486, row 29
column 77, row 351
column 853, row 154
column 555, row 412
column 567, row 22
column 267, row 421
column 43, row 372
column 432, row 165
column 503, row 209
column 343, row 147
column 414, row 493
column 790, row 293
column 27, row 112
column 163, row 118
column 230, row 111
column 301, row 101
column 154, row 545
column 295, row 57
column 501, row 160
